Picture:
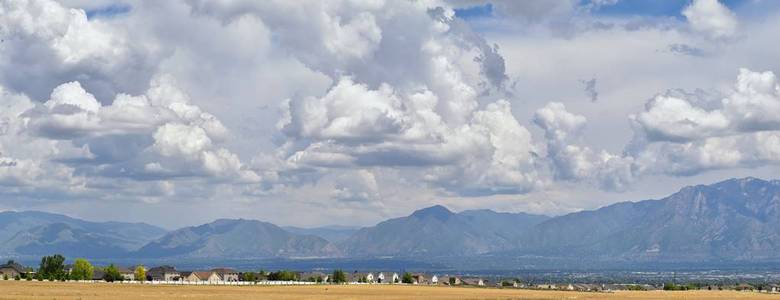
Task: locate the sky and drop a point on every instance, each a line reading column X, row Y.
column 349, row 112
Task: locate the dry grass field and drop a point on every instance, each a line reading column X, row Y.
column 59, row 290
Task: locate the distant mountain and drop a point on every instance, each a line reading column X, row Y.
column 737, row 219
column 436, row 231
column 66, row 240
column 333, row 233
column 36, row 233
column 229, row 238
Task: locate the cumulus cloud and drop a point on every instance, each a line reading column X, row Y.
column 681, row 136
column 711, row 18
column 356, row 186
column 47, row 44
column 72, row 138
column 571, row 160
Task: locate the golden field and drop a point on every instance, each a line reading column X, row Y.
column 62, row 290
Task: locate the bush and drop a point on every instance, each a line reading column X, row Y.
column 5, row 276
column 17, row 278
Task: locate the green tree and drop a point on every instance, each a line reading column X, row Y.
column 248, row 276
column 407, row 278
column 452, row 280
column 52, row 266
column 283, row 275
column 339, row 276
column 140, row 273
column 82, row 270
column 112, row 274
column 5, row 276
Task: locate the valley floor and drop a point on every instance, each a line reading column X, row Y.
column 61, row 290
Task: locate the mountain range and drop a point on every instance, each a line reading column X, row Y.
column 733, row 220
column 39, row 233
column 240, row 238
column 436, row 231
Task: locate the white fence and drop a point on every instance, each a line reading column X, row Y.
column 156, row 282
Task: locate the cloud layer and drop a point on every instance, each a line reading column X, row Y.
column 371, row 108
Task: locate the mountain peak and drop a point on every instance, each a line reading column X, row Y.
column 437, row 211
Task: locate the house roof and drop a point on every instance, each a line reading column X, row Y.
column 13, row 265
column 162, row 269
column 98, row 274
column 204, row 275
column 221, row 271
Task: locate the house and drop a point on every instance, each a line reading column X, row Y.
column 434, row 279
column 98, row 274
column 387, row 277
column 582, row 287
column 203, row 276
column 360, row 277
column 313, row 276
column 127, row 273
column 419, row 278
column 12, row 269
column 508, row 283
column 226, row 274
column 773, row 288
column 548, row 286
column 614, row 287
column 449, row 280
column 163, row 273
column 473, row 281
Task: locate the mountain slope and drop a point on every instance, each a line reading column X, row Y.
column 33, row 232
column 333, row 234
column 436, row 231
column 66, row 240
column 737, row 219
column 227, row 238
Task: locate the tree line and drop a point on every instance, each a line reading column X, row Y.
column 52, row 268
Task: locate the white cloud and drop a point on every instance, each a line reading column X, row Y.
column 675, row 136
column 711, row 18
column 357, row 186
column 47, row 44
column 571, row 160
column 670, row 118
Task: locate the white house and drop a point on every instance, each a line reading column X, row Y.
column 387, row 277
column 434, row 279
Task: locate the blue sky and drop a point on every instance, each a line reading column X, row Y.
column 668, row 8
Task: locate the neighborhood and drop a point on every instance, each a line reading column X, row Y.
column 52, row 268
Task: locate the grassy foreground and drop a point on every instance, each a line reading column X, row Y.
column 61, row 290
